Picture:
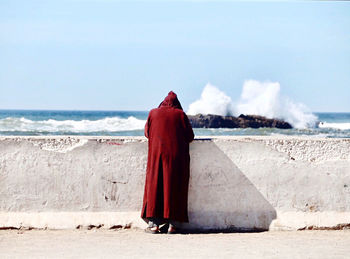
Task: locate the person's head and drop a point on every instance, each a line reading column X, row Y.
column 171, row 101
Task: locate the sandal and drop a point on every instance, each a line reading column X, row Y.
column 152, row 230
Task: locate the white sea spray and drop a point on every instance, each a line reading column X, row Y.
column 257, row 98
column 212, row 101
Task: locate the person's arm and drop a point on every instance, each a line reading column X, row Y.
column 188, row 129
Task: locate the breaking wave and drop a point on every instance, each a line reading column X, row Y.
column 111, row 124
column 341, row 126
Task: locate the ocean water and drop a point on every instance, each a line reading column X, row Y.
column 131, row 123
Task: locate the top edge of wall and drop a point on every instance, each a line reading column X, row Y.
column 197, row 138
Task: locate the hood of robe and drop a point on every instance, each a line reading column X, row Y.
column 171, row 101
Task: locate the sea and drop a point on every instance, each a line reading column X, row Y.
column 131, row 123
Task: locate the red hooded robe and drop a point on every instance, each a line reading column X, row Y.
column 169, row 133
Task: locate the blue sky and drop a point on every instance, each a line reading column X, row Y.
column 124, row 55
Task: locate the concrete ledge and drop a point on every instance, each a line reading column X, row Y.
column 71, row 220
column 271, row 183
column 113, row 220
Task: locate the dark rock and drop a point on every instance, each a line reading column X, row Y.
column 242, row 121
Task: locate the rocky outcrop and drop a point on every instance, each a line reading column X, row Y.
column 242, row 121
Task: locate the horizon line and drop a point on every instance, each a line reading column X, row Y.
column 1, row 109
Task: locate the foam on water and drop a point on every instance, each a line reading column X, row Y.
column 106, row 124
column 341, row 126
column 258, row 98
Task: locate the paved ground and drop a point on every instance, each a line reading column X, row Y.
column 134, row 243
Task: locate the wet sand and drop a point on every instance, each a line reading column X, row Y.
column 134, row 243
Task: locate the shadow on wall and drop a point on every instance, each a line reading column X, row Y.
column 221, row 196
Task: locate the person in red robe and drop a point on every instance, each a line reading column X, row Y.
column 169, row 133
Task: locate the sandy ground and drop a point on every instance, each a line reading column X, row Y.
column 134, row 243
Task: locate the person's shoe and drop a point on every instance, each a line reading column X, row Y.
column 163, row 228
column 152, row 230
column 172, row 229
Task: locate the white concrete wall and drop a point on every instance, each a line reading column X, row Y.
column 236, row 182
